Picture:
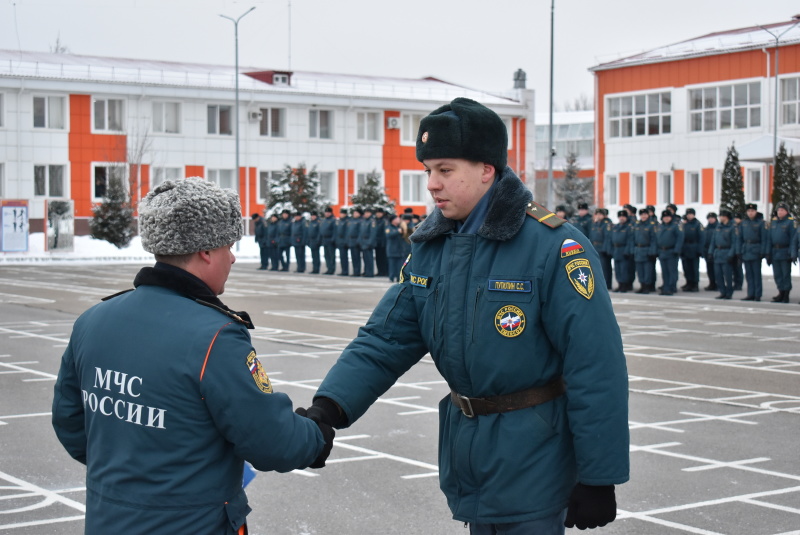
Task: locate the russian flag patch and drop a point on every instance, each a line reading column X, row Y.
column 570, row 247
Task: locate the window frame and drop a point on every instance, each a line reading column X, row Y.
column 215, row 171
column 155, row 169
column 611, row 187
column 315, row 125
column 700, row 118
column 640, row 188
column 666, row 183
column 105, row 128
column 48, row 168
column 634, row 109
column 409, row 127
column 417, row 174
column 218, row 119
column 332, row 178
column 267, row 115
column 178, row 114
column 363, row 127
column 274, row 173
column 785, row 104
column 108, row 165
column 48, row 122
column 753, row 192
column 693, row 181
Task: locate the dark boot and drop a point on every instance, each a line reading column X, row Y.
column 785, row 297
column 748, row 298
column 778, row 298
column 711, row 288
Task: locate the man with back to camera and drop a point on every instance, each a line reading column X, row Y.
column 534, row 433
column 160, row 393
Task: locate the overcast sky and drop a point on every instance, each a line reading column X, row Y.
column 476, row 43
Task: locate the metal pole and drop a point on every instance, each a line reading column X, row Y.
column 550, row 199
column 236, row 107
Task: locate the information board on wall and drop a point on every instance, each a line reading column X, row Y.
column 15, row 227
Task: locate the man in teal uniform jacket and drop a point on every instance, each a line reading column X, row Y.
column 505, row 297
column 160, row 392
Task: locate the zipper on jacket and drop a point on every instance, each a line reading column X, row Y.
column 435, row 310
column 475, row 311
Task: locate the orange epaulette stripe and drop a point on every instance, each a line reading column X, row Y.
column 543, row 215
column 203, row 370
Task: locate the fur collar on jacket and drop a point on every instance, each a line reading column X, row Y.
column 505, row 217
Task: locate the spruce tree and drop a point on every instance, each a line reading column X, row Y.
column 732, row 196
column 113, row 219
column 573, row 189
column 786, row 187
column 297, row 189
column 372, row 194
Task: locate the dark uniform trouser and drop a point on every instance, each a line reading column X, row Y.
column 300, row 257
column 724, row 272
column 264, row 256
column 738, row 272
column 691, row 270
column 711, row 271
column 631, row 269
column 643, row 272
column 381, row 263
column 344, row 260
column 669, row 272
column 752, row 271
column 329, row 251
column 605, row 262
column 284, row 254
column 782, row 270
column 315, row 262
column 622, row 271
column 652, row 265
column 394, row 264
column 369, row 262
column 274, row 257
column 355, row 253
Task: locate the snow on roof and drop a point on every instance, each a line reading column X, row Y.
column 72, row 67
column 754, row 37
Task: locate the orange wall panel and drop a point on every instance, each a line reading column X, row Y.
column 707, row 177
column 195, row 170
column 652, row 187
column 678, row 186
column 624, row 188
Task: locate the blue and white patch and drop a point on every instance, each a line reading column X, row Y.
column 420, row 280
column 509, row 286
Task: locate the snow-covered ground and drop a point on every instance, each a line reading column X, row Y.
column 88, row 250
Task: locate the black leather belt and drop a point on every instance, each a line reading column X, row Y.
column 523, row 399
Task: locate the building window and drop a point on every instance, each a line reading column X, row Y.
column 637, row 189
column 103, row 176
column 665, row 188
column 167, row 117
column 368, row 125
column 273, row 122
column 320, row 124
column 640, row 115
column 266, row 179
column 223, row 178
column 48, row 112
column 790, row 101
column 108, row 115
column 220, row 120
column 693, row 187
column 162, row 174
column 753, row 189
column 409, row 127
column 509, row 130
column 413, row 186
column 48, row 180
column 576, row 138
column 611, row 190
column 328, row 187
column 725, row 107
column 280, row 79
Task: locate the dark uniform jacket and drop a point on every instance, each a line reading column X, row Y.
column 644, row 240
column 272, row 234
column 600, row 236
column 669, row 237
column 284, row 232
column 299, row 233
column 354, row 232
column 723, row 242
column 582, row 223
column 693, row 239
column 327, row 230
column 708, row 236
column 314, row 236
column 342, row 233
column 752, row 239
column 621, row 241
column 368, row 237
column 396, row 244
column 509, row 308
column 380, row 234
column 161, row 395
column 261, row 232
column 780, row 235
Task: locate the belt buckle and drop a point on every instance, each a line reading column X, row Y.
column 463, row 399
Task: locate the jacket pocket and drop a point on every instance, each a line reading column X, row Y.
column 237, row 510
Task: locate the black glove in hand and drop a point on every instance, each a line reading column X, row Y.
column 327, row 434
column 591, row 506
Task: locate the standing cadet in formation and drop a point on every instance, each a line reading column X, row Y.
column 738, row 265
column 600, row 234
column 561, row 211
column 795, row 248
column 670, row 241
column 622, row 251
column 353, row 237
column 583, row 220
column 708, row 252
column 752, row 247
column 314, row 240
column 781, row 234
column 652, row 260
column 381, row 264
column 366, row 241
column 343, row 241
column 272, row 241
column 631, row 262
column 260, row 231
column 397, row 246
column 299, row 234
column 285, row 239
column 693, row 242
column 328, row 234
column 723, row 247
column 644, row 249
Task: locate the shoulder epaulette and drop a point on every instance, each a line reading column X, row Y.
column 240, row 317
column 543, row 215
column 112, row 296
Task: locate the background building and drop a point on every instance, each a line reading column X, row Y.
column 665, row 118
column 69, row 123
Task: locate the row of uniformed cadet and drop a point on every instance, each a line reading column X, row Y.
column 366, row 242
column 732, row 247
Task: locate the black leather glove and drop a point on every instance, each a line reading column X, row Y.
column 327, row 411
column 591, row 506
column 327, row 433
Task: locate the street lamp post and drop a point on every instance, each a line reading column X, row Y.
column 236, row 107
column 550, row 148
column 775, row 118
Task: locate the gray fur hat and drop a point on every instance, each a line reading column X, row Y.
column 190, row 215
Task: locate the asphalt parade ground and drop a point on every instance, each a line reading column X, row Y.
column 714, row 410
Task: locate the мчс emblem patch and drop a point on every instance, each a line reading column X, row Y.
column 510, row 321
column 580, row 275
column 258, row 373
column 570, row 247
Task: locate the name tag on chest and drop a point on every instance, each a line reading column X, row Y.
column 509, row 286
